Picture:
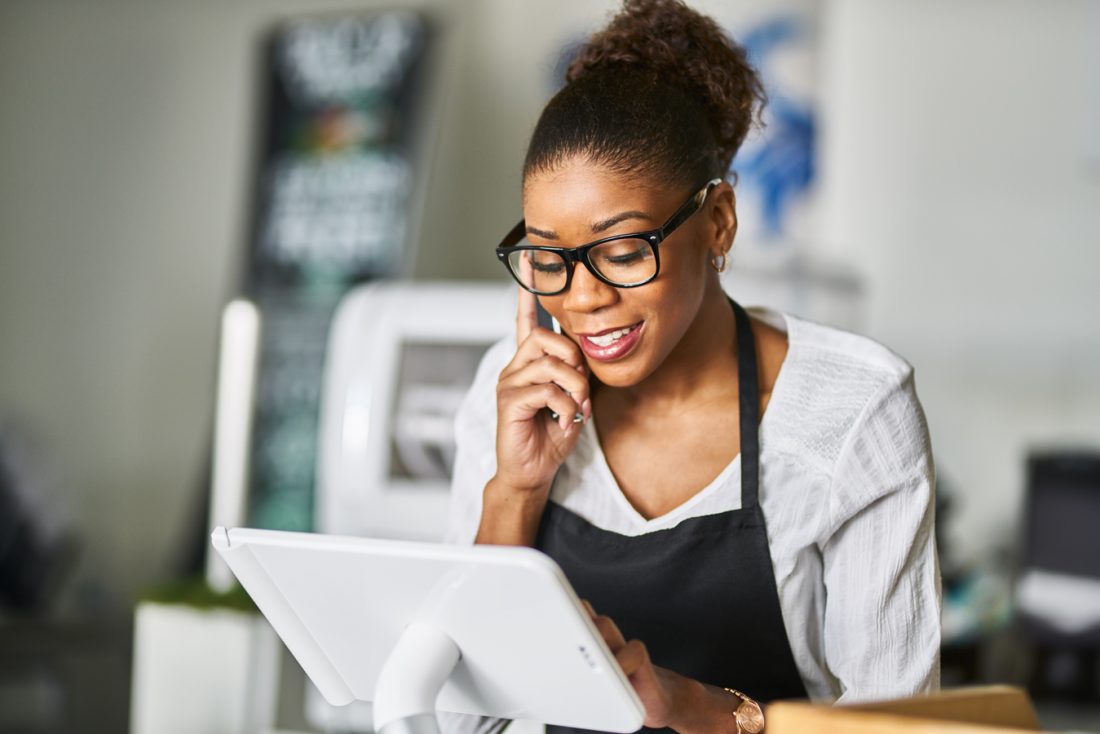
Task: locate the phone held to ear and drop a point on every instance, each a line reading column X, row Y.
column 546, row 321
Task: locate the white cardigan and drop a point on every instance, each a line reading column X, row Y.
column 846, row 487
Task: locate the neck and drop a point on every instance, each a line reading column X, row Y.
column 698, row 370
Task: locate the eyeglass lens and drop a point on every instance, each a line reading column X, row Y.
column 623, row 262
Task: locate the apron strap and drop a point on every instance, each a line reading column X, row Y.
column 749, row 395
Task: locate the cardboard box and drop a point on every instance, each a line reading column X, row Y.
column 985, row 710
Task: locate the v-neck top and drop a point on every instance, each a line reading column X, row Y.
column 846, row 486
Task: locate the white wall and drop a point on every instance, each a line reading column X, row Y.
column 957, row 179
column 122, row 147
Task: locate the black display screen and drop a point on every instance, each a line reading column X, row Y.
column 332, row 208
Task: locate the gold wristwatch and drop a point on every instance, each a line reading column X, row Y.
column 748, row 714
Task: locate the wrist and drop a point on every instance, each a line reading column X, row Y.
column 749, row 714
column 510, row 516
column 692, row 710
column 705, row 709
column 504, row 489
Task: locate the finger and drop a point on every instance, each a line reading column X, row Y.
column 560, row 378
column 610, row 631
column 543, row 341
column 527, row 319
column 548, row 369
column 632, row 657
column 523, row 403
column 588, row 608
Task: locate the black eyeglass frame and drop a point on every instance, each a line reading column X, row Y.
column 573, row 255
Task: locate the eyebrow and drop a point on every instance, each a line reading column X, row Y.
column 606, row 224
column 545, row 234
column 601, row 226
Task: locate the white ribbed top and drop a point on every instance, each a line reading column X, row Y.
column 846, row 487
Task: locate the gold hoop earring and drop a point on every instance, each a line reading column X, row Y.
column 719, row 268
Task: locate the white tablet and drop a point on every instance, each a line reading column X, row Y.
column 528, row 648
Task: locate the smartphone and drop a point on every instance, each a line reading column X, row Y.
column 545, row 320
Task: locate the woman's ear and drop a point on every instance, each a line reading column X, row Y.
column 723, row 219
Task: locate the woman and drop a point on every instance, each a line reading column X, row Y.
column 744, row 500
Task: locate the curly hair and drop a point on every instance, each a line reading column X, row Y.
column 660, row 91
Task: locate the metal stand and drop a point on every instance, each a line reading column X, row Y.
column 410, row 681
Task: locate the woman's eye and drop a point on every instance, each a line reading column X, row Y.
column 547, row 267
column 625, row 259
column 625, row 255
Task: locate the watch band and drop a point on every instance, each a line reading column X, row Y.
column 748, row 715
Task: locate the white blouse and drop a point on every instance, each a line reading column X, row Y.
column 846, row 487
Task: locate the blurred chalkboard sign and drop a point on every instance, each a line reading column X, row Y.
column 333, row 207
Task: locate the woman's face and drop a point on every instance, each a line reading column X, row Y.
column 580, row 202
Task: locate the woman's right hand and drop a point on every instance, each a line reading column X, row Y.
column 547, row 372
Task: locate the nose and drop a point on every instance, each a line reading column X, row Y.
column 587, row 293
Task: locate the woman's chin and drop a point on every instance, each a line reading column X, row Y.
column 625, row 373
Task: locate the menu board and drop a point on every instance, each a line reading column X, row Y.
column 333, row 207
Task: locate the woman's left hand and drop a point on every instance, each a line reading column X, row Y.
column 663, row 692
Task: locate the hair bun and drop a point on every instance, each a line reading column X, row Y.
column 686, row 49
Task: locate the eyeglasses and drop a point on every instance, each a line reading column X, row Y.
column 623, row 260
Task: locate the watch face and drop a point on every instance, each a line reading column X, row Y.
column 750, row 717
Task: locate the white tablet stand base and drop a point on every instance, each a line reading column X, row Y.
column 411, row 679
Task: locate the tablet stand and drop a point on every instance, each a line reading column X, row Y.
column 413, row 627
column 411, row 679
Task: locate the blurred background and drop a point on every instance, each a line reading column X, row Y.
column 929, row 176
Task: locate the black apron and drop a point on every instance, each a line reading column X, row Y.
column 700, row 595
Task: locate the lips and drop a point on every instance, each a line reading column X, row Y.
column 611, row 344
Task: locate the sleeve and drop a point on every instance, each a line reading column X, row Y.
column 474, row 466
column 475, row 445
column 881, row 572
